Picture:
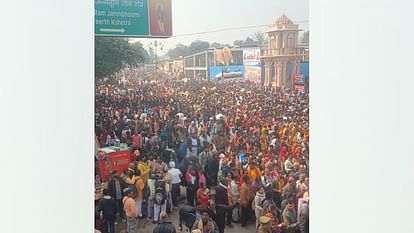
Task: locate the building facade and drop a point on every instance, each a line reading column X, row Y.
column 282, row 58
column 200, row 64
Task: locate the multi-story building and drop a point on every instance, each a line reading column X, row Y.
column 283, row 56
column 198, row 65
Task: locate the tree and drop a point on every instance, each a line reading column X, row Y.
column 305, row 38
column 216, row 45
column 113, row 54
column 151, row 54
column 238, row 42
column 183, row 50
column 179, row 50
column 139, row 53
column 199, row 45
column 249, row 41
column 260, row 38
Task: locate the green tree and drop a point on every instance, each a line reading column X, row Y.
column 305, row 38
column 184, row 50
column 113, row 54
column 216, row 45
column 199, row 45
column 259, row 38
column 238, row 42
column 249, row 41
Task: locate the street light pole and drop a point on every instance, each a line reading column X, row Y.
column 155, row 45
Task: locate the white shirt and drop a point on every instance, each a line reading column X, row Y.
column 175, row 175
column 202, row 139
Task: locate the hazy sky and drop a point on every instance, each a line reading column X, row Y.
column 191, row 16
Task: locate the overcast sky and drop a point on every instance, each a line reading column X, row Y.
column 192, row 16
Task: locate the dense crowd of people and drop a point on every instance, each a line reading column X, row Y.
column 237, row 148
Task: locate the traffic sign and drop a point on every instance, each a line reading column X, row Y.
column 131, row 18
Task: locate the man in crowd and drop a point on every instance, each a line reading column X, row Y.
column 164, row 226
column 115, row 188
column 107, row 206
column 221, row 201
column 130, row 208
column 175, row 181
column 290, row 218
column 204, row 221
column 245, row 197
column 160, row 197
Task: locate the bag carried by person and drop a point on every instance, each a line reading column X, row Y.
column 133, row 188
column 160, row 194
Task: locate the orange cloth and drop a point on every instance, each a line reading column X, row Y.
column 253, row 173
column 244, row 195
column 140, row 187
column 130, row 207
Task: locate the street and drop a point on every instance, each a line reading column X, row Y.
column 146, row 226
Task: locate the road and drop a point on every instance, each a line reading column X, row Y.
column 146, row 226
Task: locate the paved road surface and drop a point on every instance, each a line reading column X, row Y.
column 145, row 226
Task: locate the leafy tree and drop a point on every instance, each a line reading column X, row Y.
column 249, row 41
column 113, row 54
column 259, row 38
column 184, row 50
column 217, row 45
column 179, row 50
column 238, row 42
column 151, row 54
column 305, row 38
column 198, row 45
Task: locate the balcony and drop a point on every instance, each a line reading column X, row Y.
column 281, row 52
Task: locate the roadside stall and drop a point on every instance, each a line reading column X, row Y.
column 112, row 159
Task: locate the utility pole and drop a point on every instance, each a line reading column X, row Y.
column 155, row 45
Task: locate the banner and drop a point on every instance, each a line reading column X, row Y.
column 227, row 72
column 299, row 79
column 219, row 56
column 251, row 57
column 228, row 56
column 253, row 73
column 300, row 88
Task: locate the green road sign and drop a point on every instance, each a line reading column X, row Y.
column 127, row 18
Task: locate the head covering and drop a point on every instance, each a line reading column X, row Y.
column 264, row 219
column 172, row 164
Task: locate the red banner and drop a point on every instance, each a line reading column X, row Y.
column 115, row 161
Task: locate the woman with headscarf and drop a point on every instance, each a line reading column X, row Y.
column 269, row 209
column 258, row 203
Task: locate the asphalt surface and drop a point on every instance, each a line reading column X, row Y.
column 146, row 226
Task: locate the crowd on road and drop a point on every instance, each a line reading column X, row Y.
column 241, row 152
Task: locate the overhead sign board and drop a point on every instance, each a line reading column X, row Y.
column 133, row 18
